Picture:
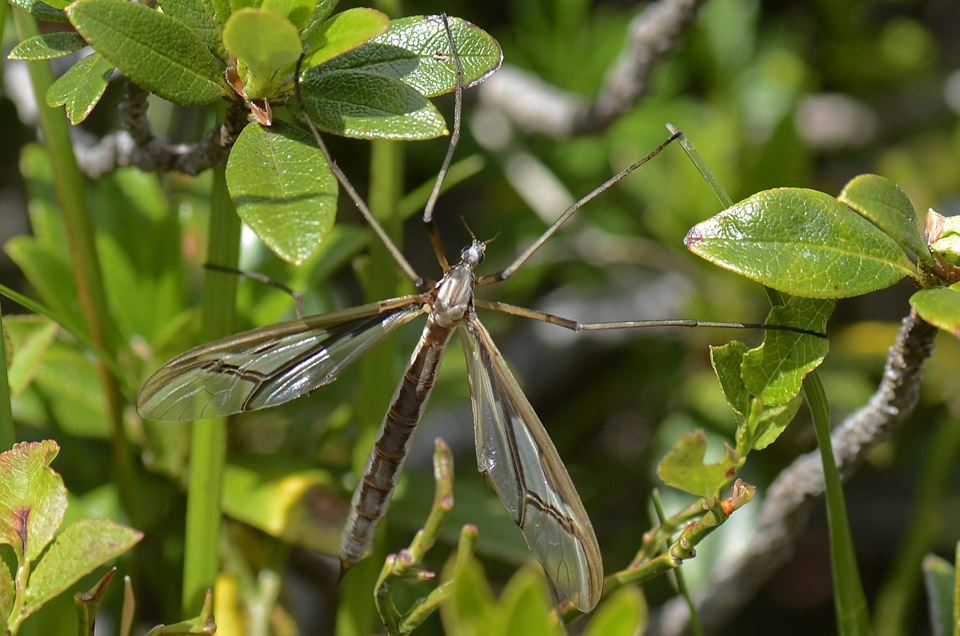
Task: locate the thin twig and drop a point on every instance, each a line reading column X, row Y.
column 791, row 496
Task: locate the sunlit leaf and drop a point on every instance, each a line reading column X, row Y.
column 940, row 307
column 683, row 467
column 265, row 45
column 345, row 31
column 48, row 46
column 32, row 497
column 81, row 87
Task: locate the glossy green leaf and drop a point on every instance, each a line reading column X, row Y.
column 82, row 547
column 88, row 603
column 59, row 4
column 41, row 10
column 883, row 202
column 416, row 51
column 283, row 189
column 265, row 45
column 940, row 580
column 296, row 11
column 525, row 606
column 623, row 614
column 320, row 13
column 801, row 242
column 30, row 336
column 48, row 46
column 205, row 17
column 726, row 361
column 32, row 497
column 775, row 370
column 156, row 51
column 940, row 307
column 683, row 467
column 345, row 31
column 369, row 106
column 295, row 502
column 81, row 87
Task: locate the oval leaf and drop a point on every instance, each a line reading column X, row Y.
column 283, row 189
column 345, row 31
column 416, row 51
column 205, row 17
column 82, row 547
column 266, row 44
column 882, row 201
column 368, row 106
column 32, row 497
column 801, row 242
column 48, row 46
column 157, row 52
column 940, row 307
column 40, row 10
column 81, row 87
column 624, row 614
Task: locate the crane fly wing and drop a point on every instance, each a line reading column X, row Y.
column 521, row 464
column 269, row 365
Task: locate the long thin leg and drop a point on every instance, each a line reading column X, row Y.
column 297, row 296
column 506, row 273
column 576, row 325
column 401, row 261
column 451, row 148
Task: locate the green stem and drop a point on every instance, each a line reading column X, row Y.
column 20, row 595
column 71, row 196
column 7, row 434
column 208, row 444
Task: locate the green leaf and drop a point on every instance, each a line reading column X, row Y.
column 30, row 336
column 297, row 503
column 775, row 370
column 81, row 87
column 319, row 15
column 265, row 44
column 416, row 51
column 200, row 624
column 940, row 307
column 156, row 51
column 82, row 547
column 48, row 273
column 939, row 577
column 88, row 603
column 945, row 236
column 7, row 590
column 764, row 429
column 369, row 106
column 32, row 497
column 801, row 242
column 344, row 31
column 48, row 46
column 683, row 467
column 40, row 10
column 283, row 189
column 470, row 608
column 726, row 361
column 624, row 614
column 297, row 11
column 205, row 17
column 525, row 606
column 883, row 202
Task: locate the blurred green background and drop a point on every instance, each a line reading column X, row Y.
column 772, row 94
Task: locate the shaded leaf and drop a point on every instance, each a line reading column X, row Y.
column 368, row 106
column 775, row 370
column 205, row 17
column 30, row 336
column 525, row 607
column 47, row 46
column 345, row 31
column 81, row 87
column 683, row 467
column 32, row 497
column 40, row 10
column 882, row 201
column 939, row 577
column 769, row 424
column 470, row 608
column 801, row 242
column 624, row 614
column 726, row 361
column 7, row 590
column 283, row 189
column 156, row 51
column 82, row 547
column 416, row 51
column 265, row 44
column 940, row 307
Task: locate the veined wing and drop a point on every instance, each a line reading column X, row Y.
column 521, row 464
column 270, row 365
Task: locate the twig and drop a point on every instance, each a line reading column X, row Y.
column 536, row 107
column 791, row 496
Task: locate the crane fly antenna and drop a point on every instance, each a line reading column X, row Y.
column 511, row 269
column 451, row 148
column 368, row 216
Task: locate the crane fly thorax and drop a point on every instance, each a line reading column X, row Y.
column 454, row 295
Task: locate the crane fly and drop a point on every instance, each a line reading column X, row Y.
column 277, row 363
